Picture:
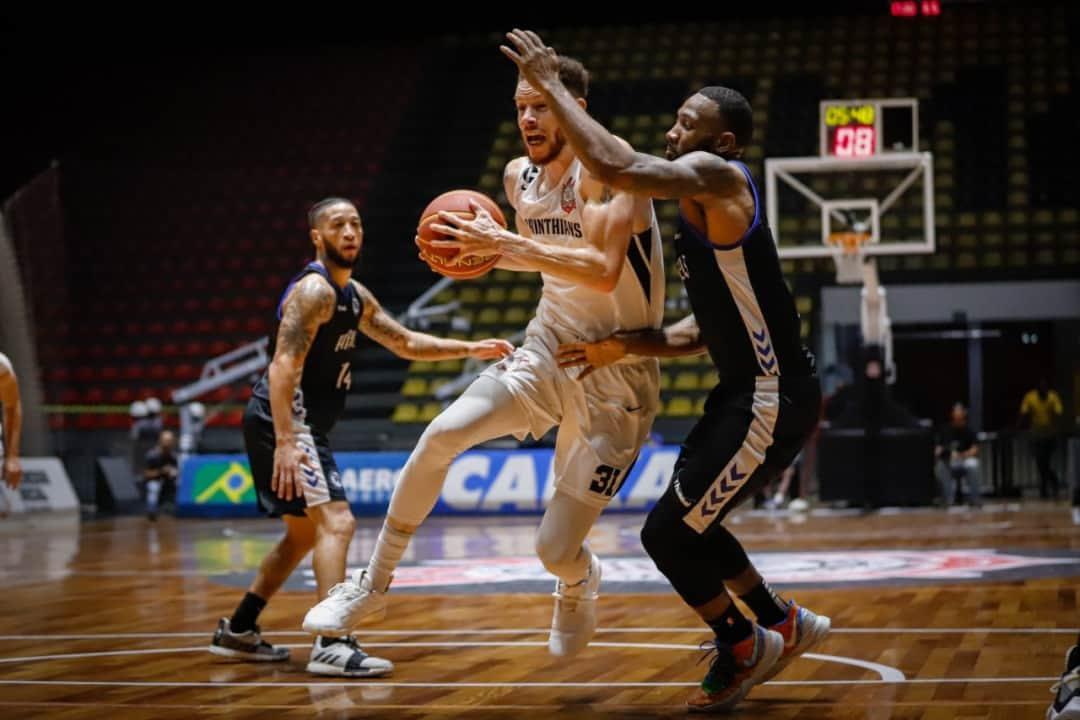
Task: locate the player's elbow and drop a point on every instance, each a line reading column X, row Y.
column 284, row 365
column 617, row 176
column 606, row 171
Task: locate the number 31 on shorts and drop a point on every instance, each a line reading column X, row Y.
column 607, row 480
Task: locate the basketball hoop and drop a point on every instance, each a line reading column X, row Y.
column 848, row 254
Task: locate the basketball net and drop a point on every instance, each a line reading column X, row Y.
column 849, row 253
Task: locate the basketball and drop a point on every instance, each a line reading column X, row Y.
column 441, row 260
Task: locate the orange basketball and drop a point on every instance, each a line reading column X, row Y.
column 441, row 260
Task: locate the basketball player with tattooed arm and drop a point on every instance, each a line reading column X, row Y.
column 600, row 260
column 292, row 410
column 757, row 419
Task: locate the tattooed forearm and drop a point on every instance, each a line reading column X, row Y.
column 378, row 325
column 387, row 332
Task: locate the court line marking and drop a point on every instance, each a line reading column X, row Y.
column 602, row 706
column 363, row 632
column 375, row 683
column 885, row 672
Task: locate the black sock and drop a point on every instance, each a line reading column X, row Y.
column 766, row 604
column 247, row 612
column 732, row 626
column 1072, row 661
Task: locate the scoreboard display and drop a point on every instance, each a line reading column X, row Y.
column 865, row 128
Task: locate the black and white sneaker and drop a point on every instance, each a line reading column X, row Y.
column 1066, row 705
column 244, row 646
column 343, row 657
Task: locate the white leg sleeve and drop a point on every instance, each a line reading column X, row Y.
column 486, row 410
column 560, row 539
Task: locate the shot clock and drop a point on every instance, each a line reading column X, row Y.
column 865, row 128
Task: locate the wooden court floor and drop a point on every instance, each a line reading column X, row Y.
column 936, row 615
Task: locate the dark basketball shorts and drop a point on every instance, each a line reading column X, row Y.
column 744, row 439
column 321, row 480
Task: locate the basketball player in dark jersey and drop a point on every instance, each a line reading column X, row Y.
column 293, row 407
column 766, row 405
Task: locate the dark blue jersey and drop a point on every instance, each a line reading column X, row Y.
column 742, row 305
column 320, row 398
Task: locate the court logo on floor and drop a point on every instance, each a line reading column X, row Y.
column 802, row 569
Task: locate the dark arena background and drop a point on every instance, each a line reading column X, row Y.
column 916, row 164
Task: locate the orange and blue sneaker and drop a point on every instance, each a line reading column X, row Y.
column 801, row 630
column 735, row 669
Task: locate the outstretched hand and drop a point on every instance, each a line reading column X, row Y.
column 491, row 349
column 538, row 63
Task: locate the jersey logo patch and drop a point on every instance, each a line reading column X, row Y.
column 527, row 176
column 568, row 199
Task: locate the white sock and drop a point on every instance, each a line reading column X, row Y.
column 389, row 547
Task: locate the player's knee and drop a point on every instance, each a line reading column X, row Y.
column 655, row 534
column 340, row 523
column 443, row 438
column 729, row 555
column 554, row 552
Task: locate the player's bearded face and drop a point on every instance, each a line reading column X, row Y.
column 342, row 257
column 547, row 151
column 543, row 139
column 342, row 236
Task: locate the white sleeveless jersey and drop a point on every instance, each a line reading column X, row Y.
column 575, row 313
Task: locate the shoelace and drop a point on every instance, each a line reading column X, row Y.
column 256, row 634
column 1073, row 676
column 350, row 641
column 258, row 637
column 562, row 587
column 348, row 590
column 722, row 668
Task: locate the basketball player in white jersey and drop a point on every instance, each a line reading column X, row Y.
column 10, row 425
column 600, row 258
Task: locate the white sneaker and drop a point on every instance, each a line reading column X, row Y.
column 346, row 606
column 574, row 621
column 342, row 657
column 798, row 505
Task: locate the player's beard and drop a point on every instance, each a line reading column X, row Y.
column 336, row 258
column 554, row 148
